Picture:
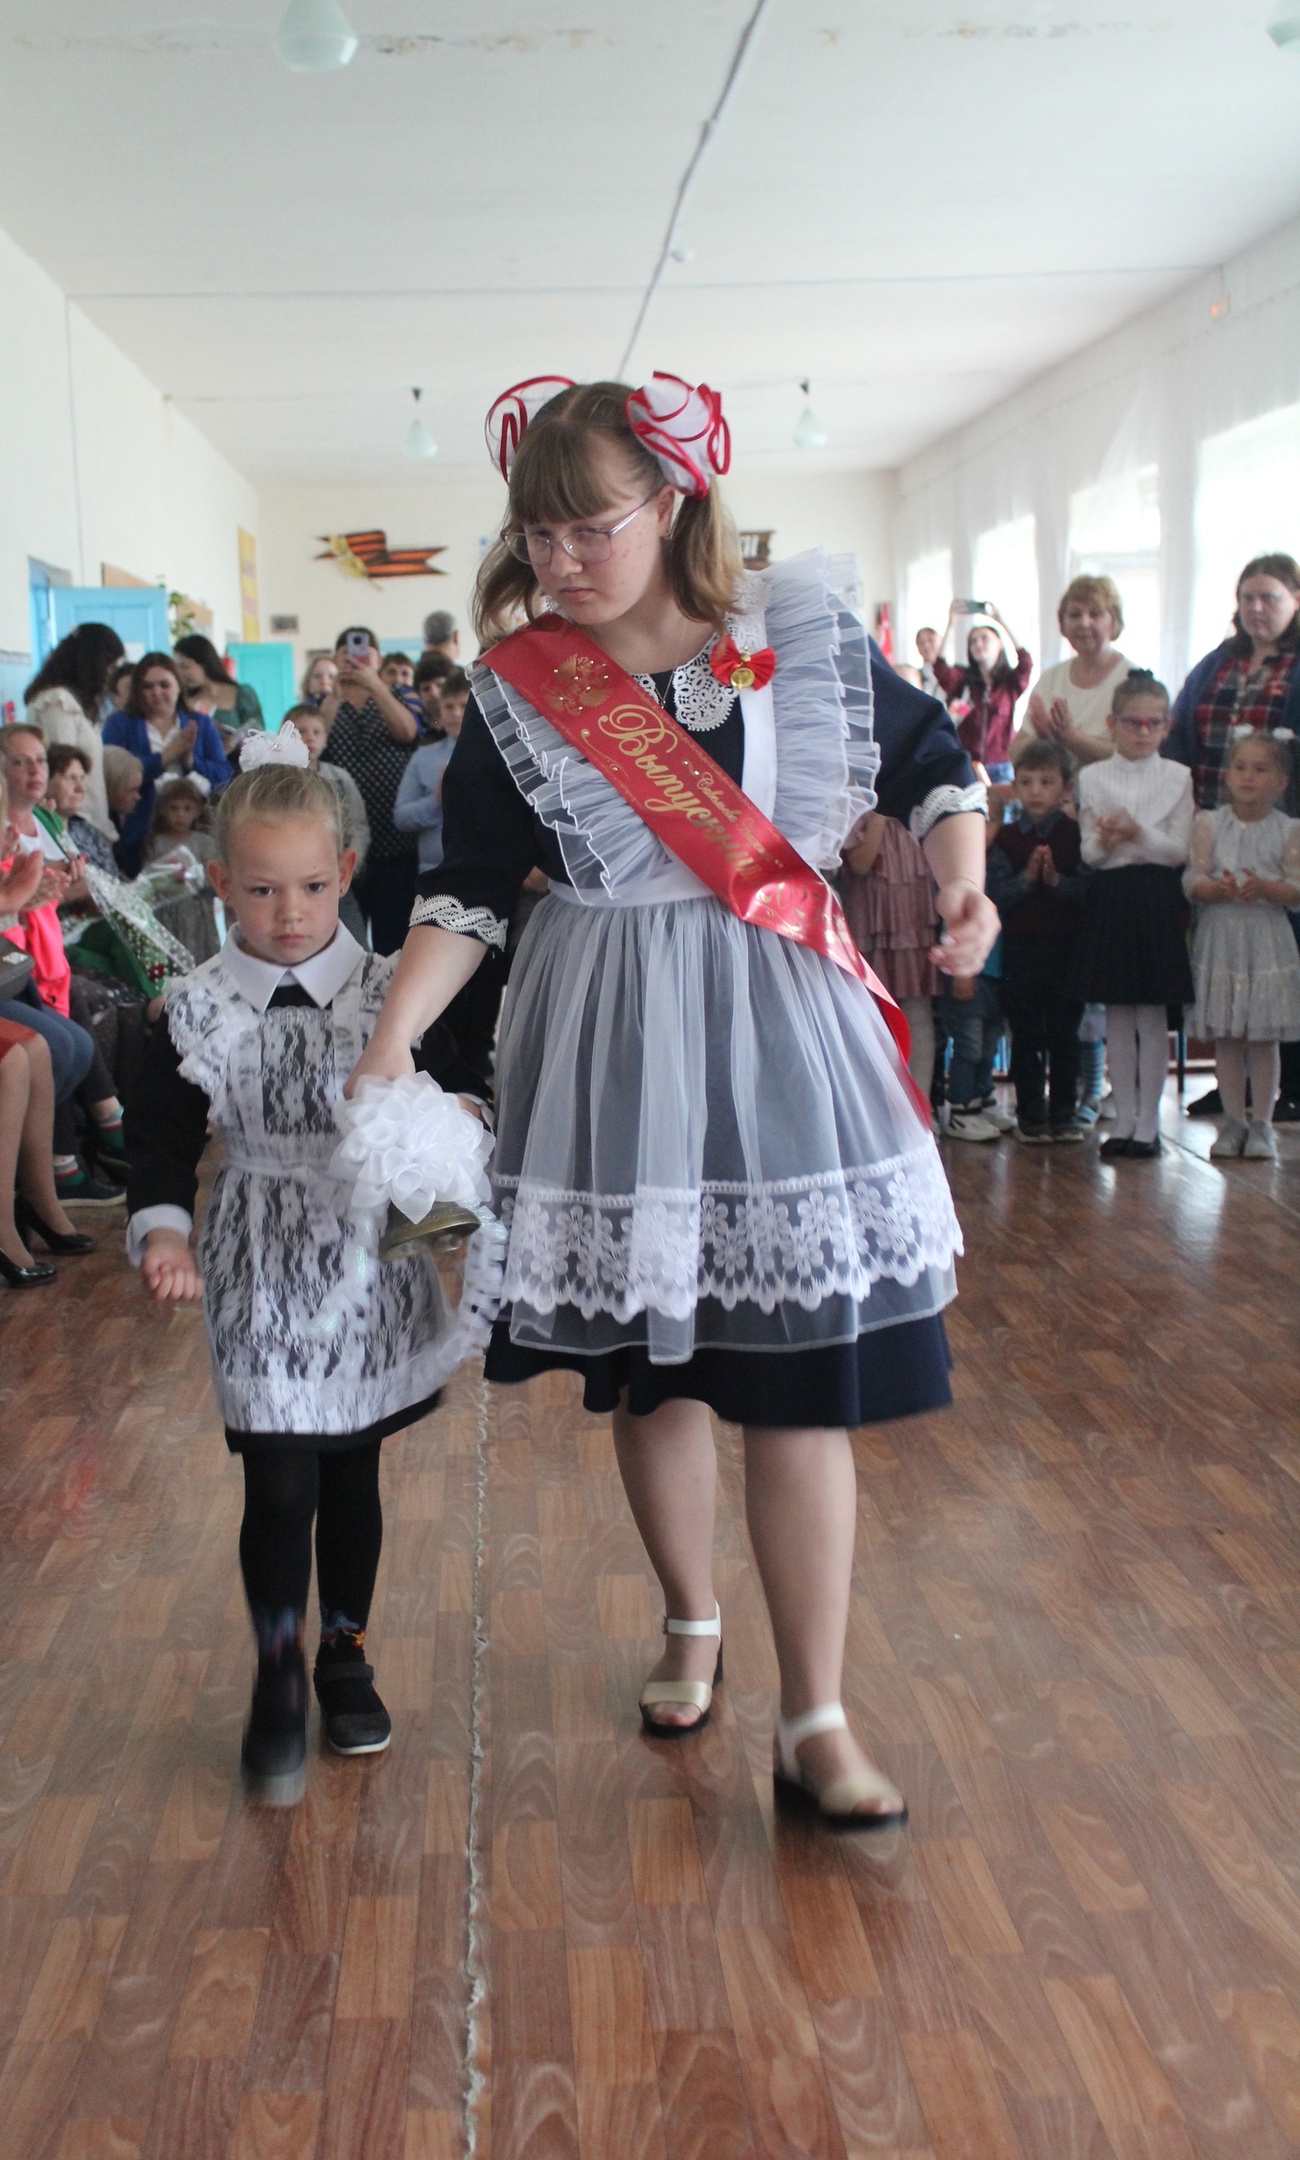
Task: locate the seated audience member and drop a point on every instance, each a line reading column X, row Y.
column 179, row 821
column 164, row 740
column 1035, row 878
column 29, row 1202
column 1070, row 702
column 372, row 736
column 210, row 688
column 995, row 676
column 108, row 994
column 353, row 822
column 66, row 794
column 442, row 636
column 888, row 896
column 65, row 700
column 320, row 680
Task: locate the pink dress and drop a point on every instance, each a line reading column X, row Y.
column 892, row 915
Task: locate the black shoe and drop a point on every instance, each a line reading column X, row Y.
column 1286, row 1112
column 1110, row 1150
column 1143, row 1149
column 85, row 1191
column 273, row 1759
column 355, row 1720
column 1210, row 1105
column 25, row 1278
column 30, row 1224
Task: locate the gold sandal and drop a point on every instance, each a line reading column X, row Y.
column 839, row 1804
column 697, row 1694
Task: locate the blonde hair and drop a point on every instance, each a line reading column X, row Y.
column 552, row 481
column 276, row 791
column 1279, row 749
column 1093, row 591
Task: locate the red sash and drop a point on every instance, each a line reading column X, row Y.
column 685, row 798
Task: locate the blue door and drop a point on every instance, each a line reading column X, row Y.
column 138, row 613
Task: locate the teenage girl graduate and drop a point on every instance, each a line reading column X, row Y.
column 719, row 1183
column 258, row 1042
column 1135, row 821
column 1244, row 875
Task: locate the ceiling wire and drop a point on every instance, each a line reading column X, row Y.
column 707, row 133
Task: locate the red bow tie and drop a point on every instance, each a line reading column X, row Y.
column 742, row 670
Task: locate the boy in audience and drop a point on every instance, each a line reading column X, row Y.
column 397, row 673
column 431, row 672
column 1035, row 879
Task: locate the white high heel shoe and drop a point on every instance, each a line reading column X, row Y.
column 697, row 1694
column 840, row 1804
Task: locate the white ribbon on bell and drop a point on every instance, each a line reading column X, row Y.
column 285, row 747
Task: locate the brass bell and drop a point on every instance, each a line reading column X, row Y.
column 446, row 1226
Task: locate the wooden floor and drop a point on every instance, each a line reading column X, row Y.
column 1075, row 1641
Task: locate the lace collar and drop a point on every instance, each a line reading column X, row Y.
column 701, row 702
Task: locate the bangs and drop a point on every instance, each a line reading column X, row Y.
column 553, row 481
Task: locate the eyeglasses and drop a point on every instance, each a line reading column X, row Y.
column 1148, row 726
column 586, row 543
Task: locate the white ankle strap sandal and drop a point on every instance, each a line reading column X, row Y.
column 694, row 1694
column 864, row 1800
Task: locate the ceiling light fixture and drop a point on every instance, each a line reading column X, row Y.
column 315, row 37
column 809, row 434
column 419, row 442
column 1285, row 33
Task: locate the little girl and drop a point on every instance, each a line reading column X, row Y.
column 1135, row 815
column 1244, row 874
column 888, row 897
column 259, row 1041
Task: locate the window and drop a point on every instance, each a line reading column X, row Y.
column 1115, row 533
column 1006, row 576
column 927, row 591
column 1247, row 503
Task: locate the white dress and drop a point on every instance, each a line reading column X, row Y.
column 1244, row 959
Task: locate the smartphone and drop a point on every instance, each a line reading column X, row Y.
column 970, row 607
column 357, row 646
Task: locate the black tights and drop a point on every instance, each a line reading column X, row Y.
column 284, row 1488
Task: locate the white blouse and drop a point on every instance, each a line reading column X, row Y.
column 1155, row 792
column 1088, row 708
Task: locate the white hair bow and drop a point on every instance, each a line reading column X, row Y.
column 286, row 747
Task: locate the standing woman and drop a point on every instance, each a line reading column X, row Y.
column 1071, row 701
column 65, row 701
column 720, row 1188
column 995, row 677
column 1251, row 680
column 209, row 687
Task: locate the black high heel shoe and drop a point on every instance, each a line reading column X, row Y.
column 25, row 1278
column 64, row 1242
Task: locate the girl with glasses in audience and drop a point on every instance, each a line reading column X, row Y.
column 1135, row 813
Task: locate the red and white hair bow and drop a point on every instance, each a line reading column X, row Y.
column 683, row 428
column 508, row 418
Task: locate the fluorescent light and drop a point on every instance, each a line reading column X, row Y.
column 809, row 434
column 315, row 37
column 419, row 442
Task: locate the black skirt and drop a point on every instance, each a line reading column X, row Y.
column 332, row 1443
column 1132, row 944
column 894, row 1372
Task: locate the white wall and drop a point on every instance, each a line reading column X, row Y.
column 96, row 466
column 457, row 509
column 1150, row 393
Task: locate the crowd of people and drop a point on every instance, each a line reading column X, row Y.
column 109, row 787
column 1145, row 870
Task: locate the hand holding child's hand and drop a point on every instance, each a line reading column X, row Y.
column 168, row 1268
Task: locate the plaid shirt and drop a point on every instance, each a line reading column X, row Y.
column 1239, row 696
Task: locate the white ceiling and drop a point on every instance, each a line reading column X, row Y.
column 917, row 203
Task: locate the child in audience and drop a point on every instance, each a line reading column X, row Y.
column 1135, row 812
column 431, row 672
column 397, row 673
column 888, row 896
column 1035, row 877
column 259, row 1041
column 1243, row 875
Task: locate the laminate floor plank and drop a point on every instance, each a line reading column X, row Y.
column 1074, row 1639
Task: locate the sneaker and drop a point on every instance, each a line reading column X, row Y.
column 1033, row 1135
column 1260, row 1143
column 273, row 1758
column 1106, row 1107
column 1070, row 1135
column 82, row 1190
column 993, row 1114
column 107, row 1151
column 1089, row 1110
column 355, row 1720
column 1230, row 1141
column 970, row 1125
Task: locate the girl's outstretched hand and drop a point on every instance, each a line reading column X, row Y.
column 970, row 927
column 169, row 1270
column 380, row 1061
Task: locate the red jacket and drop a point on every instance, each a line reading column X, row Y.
column 986, row 730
